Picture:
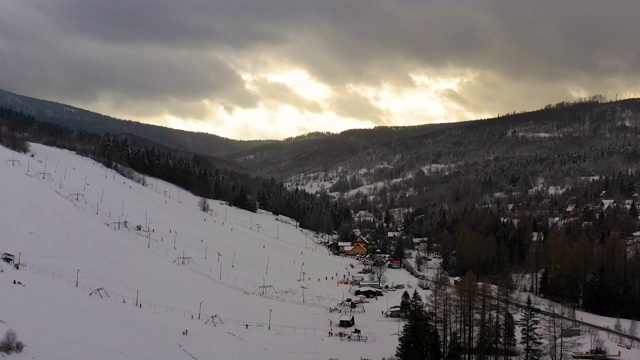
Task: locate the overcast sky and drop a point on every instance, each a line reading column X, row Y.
column 257, row 69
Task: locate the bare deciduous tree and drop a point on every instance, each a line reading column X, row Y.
column 633, row 329
column 557, row 346
column 597, row 342
column 10, row 343
column 203, row 204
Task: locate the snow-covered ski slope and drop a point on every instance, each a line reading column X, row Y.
column 63, row 215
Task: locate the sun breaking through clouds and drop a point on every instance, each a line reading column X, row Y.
column 251, row 69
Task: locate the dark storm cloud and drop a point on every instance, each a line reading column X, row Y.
column 521, row 55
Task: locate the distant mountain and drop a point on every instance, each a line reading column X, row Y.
column 557, row 129
column 561, row 141
column 76, row 118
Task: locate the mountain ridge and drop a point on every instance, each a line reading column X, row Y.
column 76, row 118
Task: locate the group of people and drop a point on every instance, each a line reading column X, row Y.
column 16, row 282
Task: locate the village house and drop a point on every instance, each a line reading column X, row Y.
column 360, row 240
column 630, row 203
column 572, row 210
column 364, row 215
column 606, row 204
column 359, row 246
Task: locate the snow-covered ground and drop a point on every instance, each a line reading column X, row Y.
column 63, row 216
column 232, row 278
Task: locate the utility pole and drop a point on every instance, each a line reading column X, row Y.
column 267, row 270
column 234, row 259
column 45, row 166
column 220, row 271
column 300, row 279
column 77, row 277
column 205, row 252
column 137, row 291
column 199, row 309
column 269, row 328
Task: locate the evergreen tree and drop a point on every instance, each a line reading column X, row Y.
column 405, row 304
column 398, row 251
column 530, row 338
column 419, row 338
column 509, row 331
column 545, row 283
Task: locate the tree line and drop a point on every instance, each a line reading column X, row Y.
column 477, row 321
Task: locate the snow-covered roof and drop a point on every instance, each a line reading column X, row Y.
column 362, row 238
column 607, row 203
column 367, row 288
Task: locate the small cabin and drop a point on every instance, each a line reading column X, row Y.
column 372, row 284
column 394, row 312
column 346, row 321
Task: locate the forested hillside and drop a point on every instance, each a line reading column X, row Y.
column 550, row 193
